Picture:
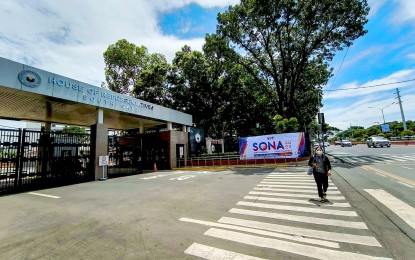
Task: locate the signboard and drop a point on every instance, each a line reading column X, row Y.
column 103, row 160
column 385, row 128
column 289, row 145
column 196, row 141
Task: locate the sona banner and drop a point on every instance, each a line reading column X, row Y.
column 289, row 145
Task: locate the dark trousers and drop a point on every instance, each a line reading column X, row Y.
column 322, row 181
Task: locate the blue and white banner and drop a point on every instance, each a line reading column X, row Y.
column 289, row 145
column 385, row 128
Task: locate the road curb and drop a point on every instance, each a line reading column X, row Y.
column 259, row 166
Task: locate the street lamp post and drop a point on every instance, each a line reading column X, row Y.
column 381, row 109
column 351, row 129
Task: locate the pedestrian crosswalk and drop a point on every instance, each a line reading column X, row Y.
column 282, row 214
column 381, row 158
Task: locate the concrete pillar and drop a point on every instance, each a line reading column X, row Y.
column 141, row 128
column 184, row 128
column 209, row 145
column 100, row 116
column 99, row 147
column 99, row 144
column 47, row 126
column 169, row 126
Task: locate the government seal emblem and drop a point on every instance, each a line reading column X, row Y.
column 29, row 78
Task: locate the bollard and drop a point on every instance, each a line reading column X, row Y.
column 155, row 167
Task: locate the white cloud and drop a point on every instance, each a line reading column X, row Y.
column 375, row 5
column 69, row 37
column 405, row 11
column 411, row 56
column 364, row 107
column 168, row 4
column 365, row 89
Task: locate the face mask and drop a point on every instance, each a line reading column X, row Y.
column 319, row 152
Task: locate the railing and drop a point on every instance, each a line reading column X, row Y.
column 37, row 159
column 228, row 160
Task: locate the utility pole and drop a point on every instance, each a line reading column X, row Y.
column 400, row 105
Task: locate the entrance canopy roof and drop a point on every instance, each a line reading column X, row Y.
column 28, row 93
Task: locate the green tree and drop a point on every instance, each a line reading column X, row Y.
column 74, row 130
column 407, row 133
column 151, row 84
column 190, row 87
column 221, row 96
column 284, row 125
column 123, row 63
column 333, row 128
column 131, row 70
column 288, row 44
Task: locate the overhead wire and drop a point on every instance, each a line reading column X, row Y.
column 371, row 86
column 338, row 71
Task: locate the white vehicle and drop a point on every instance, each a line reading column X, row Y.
column 346, row 143
column 378, row 141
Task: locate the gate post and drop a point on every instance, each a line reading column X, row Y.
column 19, row 162
column 99, row 147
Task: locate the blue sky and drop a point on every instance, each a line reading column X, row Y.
column 69, row 38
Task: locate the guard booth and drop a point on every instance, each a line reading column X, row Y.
column 132, row 152
column 31, row 94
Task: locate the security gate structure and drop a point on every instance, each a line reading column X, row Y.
column 39, row 159
column 131, row 153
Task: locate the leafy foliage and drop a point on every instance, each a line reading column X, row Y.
column 133, row 71
column 284, row 125
column 267, row 58
column 221, row 96
column 124, row 61
column 74, row 130
column 289, row 43
column 361, row 134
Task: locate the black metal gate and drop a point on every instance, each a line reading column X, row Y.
column 125, row 157
column 9, row 159
column 131, row 153
column 39, row 159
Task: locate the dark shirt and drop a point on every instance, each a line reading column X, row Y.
column 326, row 163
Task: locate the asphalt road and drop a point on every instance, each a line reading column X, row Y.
column 390, row 170
column 230, row 214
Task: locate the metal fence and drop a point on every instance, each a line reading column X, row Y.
column 39, row 159
column 228, row 160
column 9, row 159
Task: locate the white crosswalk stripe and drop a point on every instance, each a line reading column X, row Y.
column 292, row 190
column 302, row 219
column 397, row 158
column 383, row 158
column 280, row 214
column 295, row 248
column 293, row 195
column 331, row 236
column 300, row 209
column 213, row 253
column 373, row 159
column 340, row 205
column 411, row 158
column 292, row 186
column 403, row 210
